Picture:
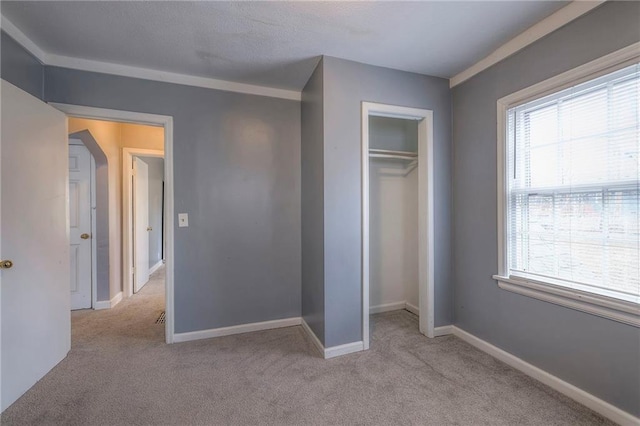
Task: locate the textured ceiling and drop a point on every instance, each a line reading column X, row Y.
column 276, row 44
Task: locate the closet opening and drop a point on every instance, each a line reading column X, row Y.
column 397, row 213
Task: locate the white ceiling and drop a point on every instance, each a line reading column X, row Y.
column 276, row 44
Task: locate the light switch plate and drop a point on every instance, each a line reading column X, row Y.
column 183, row 220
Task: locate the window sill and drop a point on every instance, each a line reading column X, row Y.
column 617, row 310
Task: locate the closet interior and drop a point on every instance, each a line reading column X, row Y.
column 393, row 214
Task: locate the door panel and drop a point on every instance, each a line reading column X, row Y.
column 141, row 223
column 34, row 234
column 80, row 225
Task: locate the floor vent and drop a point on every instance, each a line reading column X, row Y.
column 160, row 320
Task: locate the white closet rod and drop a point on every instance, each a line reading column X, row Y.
column 395, row 157
column 400, row 155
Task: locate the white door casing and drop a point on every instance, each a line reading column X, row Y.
column 155, row 120
column 34, row 230
column 140, row 223
column 80, row 226
column 128, row 246
column 426, row 227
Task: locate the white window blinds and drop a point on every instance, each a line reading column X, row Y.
column 573, row 209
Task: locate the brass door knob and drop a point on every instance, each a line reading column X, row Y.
column 149, row 228
column 85, row 236
column 6, row 264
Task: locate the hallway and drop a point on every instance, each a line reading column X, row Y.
column 133, row 318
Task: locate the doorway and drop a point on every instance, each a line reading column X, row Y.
column 144, row 174
column 120, row 231
column 409, row 198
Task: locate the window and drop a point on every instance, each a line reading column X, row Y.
column 570, row 205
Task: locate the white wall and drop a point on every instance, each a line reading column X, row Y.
column 393, row 232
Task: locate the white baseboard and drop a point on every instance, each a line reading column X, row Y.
column 316, row 342
column 116, row 299
column 345, row 349
column 155, row 267
column 235, row 329
column 102, row 304
column 108, row 304
column 396, row 306
column 596, row 404
column 412, row 308
column 333, row 351
column 444, row 330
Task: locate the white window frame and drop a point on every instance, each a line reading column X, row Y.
column 615, row 309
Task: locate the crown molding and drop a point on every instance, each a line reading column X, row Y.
column 169, row 77
column 573, row 10
column 142, row 73
column 7, row 26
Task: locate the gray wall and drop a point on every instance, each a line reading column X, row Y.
column 346, row 85
column 237, row 174
column 598, row 355
column 156, row 179
column 312, row 203
column 19, row 67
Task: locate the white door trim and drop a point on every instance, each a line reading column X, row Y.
column 127, row 214
column 94, row 234
column 426, row 228
column 154, row 120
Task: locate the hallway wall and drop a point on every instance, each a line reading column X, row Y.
column 107, row 135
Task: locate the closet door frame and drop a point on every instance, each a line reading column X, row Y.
column 426, row 244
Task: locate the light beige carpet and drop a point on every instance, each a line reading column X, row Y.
column 119, row 372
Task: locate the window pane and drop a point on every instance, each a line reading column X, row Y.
column 584, row 115
column 574, row 209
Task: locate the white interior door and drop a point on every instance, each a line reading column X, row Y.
column 140, row 223
column 80, row 225
column 34, row 233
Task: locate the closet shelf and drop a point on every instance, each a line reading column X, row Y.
column 400, row 155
